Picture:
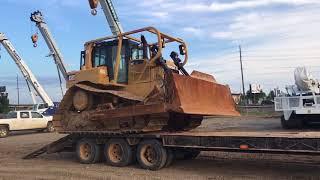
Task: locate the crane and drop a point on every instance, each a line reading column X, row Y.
column 52, row 45
column 109, row 12
column 26, row 72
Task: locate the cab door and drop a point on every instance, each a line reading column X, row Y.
column 24, row 122
column 14, row 120
column 38, row 120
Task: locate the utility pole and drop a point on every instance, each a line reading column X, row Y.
column 18, row 90
column 241, row 68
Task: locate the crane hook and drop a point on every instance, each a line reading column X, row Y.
column 34, row 39
column 94, row 12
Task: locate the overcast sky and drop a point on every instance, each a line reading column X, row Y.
column 275, row 35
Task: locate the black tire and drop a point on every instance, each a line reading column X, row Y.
column 4, row 131
column 186, row 154
column 151, row 155
column 191, row 154
column 293, row 122
column 50, row 127
column 118, row 152
column 88, row 152
column 170, row 157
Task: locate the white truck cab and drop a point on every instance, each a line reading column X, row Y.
column 24, row 120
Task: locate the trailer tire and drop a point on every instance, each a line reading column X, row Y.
column 293, row 122
column 186, row 154
column 151, row 155
column 170, row 157
column 118, row 152
column 4, row 131
column 191, row 154
column 88, row 152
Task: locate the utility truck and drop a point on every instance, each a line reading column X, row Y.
column 301, row 103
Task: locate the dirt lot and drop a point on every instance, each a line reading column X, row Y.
column 209, row 165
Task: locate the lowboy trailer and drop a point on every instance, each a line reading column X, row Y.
column 156, row 150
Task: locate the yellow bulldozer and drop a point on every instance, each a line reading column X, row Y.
column 125, row 83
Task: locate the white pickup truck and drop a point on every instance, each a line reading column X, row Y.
column 25, row 120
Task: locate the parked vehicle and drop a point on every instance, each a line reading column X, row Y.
column 25, row 120
column 301, row 104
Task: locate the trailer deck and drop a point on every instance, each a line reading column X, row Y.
column 229, row 139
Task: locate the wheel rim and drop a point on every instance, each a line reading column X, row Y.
column 51, row 128
column 115, row 153
column 85, row 151
column 148, row 155
column 3, row 132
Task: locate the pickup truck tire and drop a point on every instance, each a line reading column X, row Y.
column 4, row 131
column 50, row 127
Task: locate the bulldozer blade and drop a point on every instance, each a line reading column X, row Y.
column 203, row 76
column 196, row 96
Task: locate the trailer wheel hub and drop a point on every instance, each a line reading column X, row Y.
column 115, row 153
column 148, row 154
column 85, row 151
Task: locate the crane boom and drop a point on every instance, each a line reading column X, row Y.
column 110, row 13
column 26, row 72
column 52, row 45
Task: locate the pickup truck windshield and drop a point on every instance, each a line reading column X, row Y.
column 11, row 115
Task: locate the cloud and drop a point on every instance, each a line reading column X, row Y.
column 254, row 25
column 193, row 31
column 216, row 6
column 273, row 44
column 161, row 15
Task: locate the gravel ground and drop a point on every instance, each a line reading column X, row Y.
column 209, row 165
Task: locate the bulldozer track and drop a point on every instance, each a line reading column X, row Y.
column 131, row 118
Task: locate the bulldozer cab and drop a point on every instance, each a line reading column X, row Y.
column 105, row 55
column 124, row 59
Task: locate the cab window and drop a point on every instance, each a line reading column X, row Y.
column 43, row 106
column 36, row 115
column 105, row 55
column 136, row 53
column 12, row 115
column 24, row 115
column 123, row 67
column 82, row 59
